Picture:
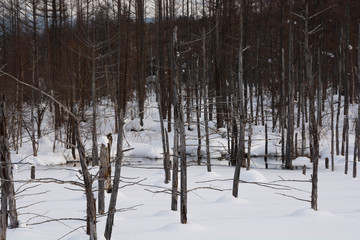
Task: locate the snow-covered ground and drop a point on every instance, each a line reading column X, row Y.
column 260, row 212
column 272, row 204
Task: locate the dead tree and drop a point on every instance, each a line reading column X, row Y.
column 357, row 139
column 107, row 176
column 102, row 165
column 159, row 77
column 87, row 178
column 114, row 193
column 241, row 149
column 206, row 107
column 8, row 202
column 175, row 166
column 332, row 129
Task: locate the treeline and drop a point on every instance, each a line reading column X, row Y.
column 229, row 58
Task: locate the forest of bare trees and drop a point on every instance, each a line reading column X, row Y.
column 239, row 63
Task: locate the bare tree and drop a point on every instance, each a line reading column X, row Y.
column 8, row 202
column 241, row 150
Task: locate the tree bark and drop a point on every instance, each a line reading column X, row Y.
column 102, row 166
column 8, row 202
column 183, row 175
column 241, row 149
column 206, row 103
column 90, row 200
column 115, row 190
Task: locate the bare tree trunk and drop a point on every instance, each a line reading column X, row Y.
column 166, row 160
column 332, row 129
column 175, row 76
column 241, row 149
column 339, row 98
column 198, row 113
column 355, row 152
column 358, row 119
column 90, row 200
column 4, row 210
column 115, row 190
column 102, row 165
column 313, row 129
column 183, row 175
column 108, row 186
column 266, row 146
column 346, row 139
column 206, row 103
column 95, row 160
column 283, row 104
column 303, row 128
column 175, row 165
column 249, row 144
column 8, row 202
column 289, row 136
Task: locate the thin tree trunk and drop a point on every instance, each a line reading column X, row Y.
column 206, row 104
column 116, row 182
column 183, row 175
column 249, row 145
column 358, row 119
column 303, row 129
column 90, row 200
column 108, row 186
column 95, row 154
column 289, row 136
column 338, row 108
column 266, row 146
column 175, row 76
column 198, row 113
column 101, row 195
column 355, row 152
column 346, row 131
column 283, row 104
column 332, row 129
column 166, row 160
column 8, row 202
column 240, row 156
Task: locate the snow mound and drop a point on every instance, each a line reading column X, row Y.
column 252, row 176
column 133, row 125
column 46, row 159
column 149, row 125
column 165, row 213
column 209, row 174
column 145, row 150
column 306, row 213
column 178, row 227
column 302, row 161
column 230, row 199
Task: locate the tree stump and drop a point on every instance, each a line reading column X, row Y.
column 32, row 172
column 107, row 177
column 327, row 163
column 304, row 170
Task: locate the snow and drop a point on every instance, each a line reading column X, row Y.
column 260, row 212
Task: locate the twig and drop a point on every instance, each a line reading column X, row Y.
column 75, row 229
column 56, row 220
column 36, row 203
column 300, row 199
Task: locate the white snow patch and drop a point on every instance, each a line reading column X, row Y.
column 252, row 176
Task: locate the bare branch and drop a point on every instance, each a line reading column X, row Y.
column 316, row 14
column 300, row 199
column 42, row 92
